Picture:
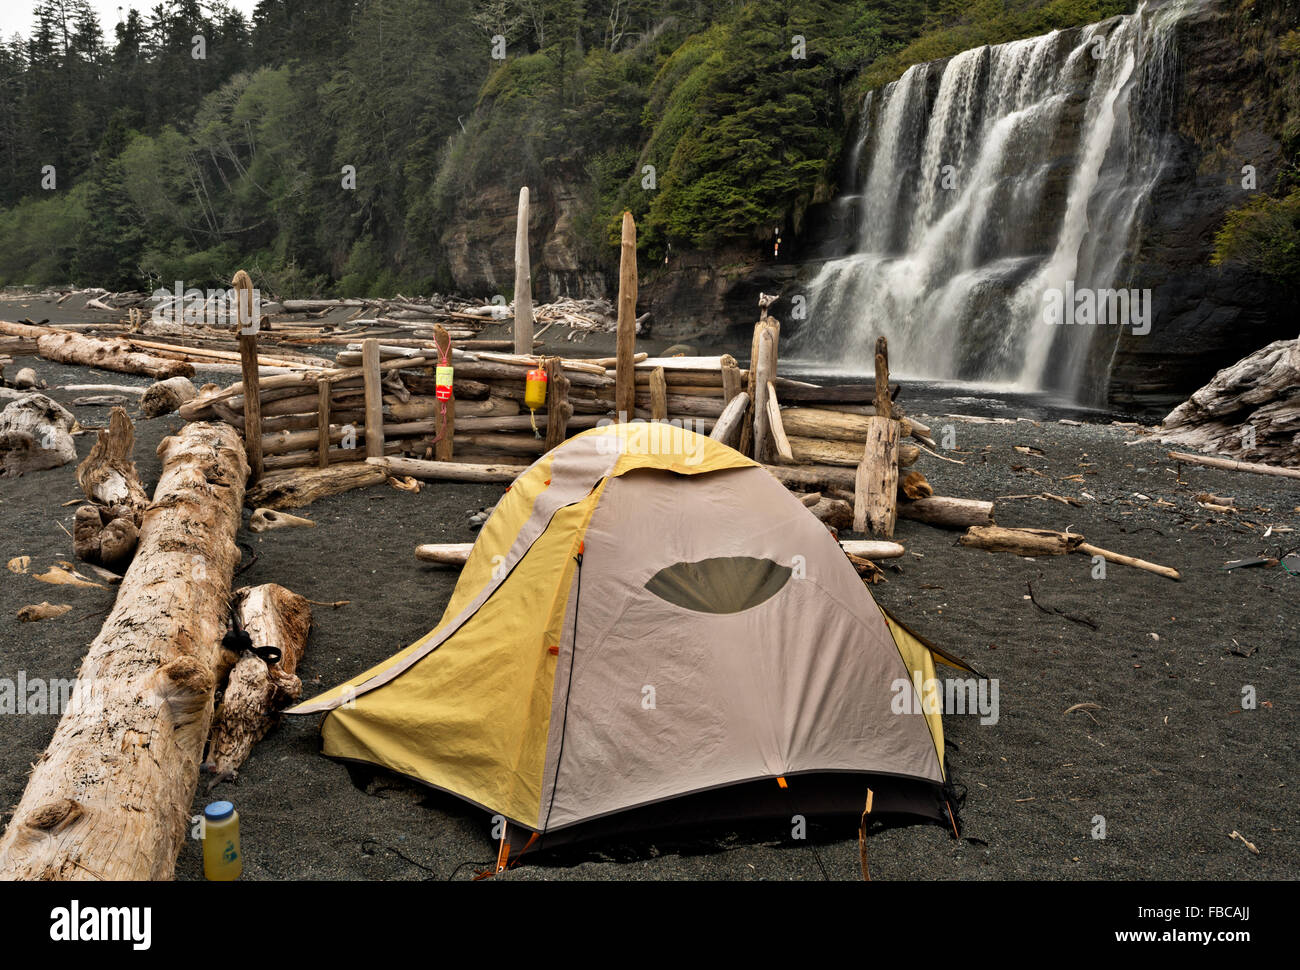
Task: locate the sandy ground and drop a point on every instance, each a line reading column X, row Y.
column 1170, row 759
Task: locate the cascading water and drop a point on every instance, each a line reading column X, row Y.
column 994, row 182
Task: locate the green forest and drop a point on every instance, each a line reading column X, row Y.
column 328, row 146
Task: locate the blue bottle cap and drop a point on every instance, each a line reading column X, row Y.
column 218, row 811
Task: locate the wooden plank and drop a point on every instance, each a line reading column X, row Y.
column 776, row 427
column 731, row 378
column 323, row 422
column 727, row 429
column 558, row 408
column 374, row 398
column 658, row 395
column 253, row 404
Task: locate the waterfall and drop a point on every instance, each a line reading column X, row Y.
column 995, row 182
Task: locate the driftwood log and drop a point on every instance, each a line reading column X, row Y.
column 452, row 471
column 272, row 616
column 1021, row 542
column 875, row 505
column 950, row 513
column 167, row 396
column 108, row 353
column 294, row 488
column 35, row 434
column 110, row 796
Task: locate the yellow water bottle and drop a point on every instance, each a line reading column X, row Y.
column 221, row 859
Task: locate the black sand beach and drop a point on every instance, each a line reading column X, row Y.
column 1169, row 759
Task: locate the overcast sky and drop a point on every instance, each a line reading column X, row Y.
column 16, row 15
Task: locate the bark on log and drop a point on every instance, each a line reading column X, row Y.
column 558, row 409
column 813, row 476
column 949, row 513
column 1021, row 542
column 294, row 488
column 167, row 396
column 273, row 617
column 111, row 353
column 914, row 485
column 834, row 512
column 109, row 798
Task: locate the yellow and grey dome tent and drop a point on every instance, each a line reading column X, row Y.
column 650, row 628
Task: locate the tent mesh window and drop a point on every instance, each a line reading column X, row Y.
column 727, row 584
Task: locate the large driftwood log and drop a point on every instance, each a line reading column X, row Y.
column 272, row 616
column 108, row 353
column 110, row 796
column 35, row 434
column 1250, row 410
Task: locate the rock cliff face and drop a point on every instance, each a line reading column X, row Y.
column 480, row 247
column 1227, row 117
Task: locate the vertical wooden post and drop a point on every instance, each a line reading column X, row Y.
column 625, row 373
column 442, row 451
column 730, row 378
column 765, row 325
column 252, row 404
column 374, row 398
column 761, row 373
column 558, row 408
column 875, row 492
column 658, row 395
column 323, row 388
column 523, row 281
